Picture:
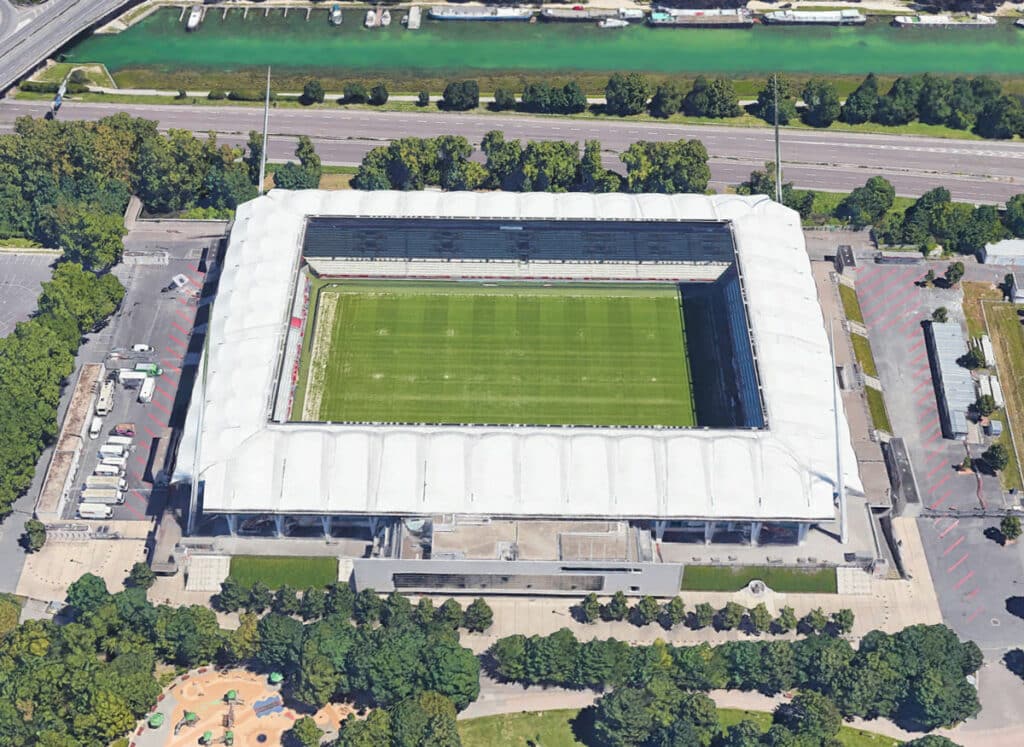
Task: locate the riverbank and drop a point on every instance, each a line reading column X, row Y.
column 235, row 43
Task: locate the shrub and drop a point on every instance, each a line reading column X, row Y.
column 355, row 93
column 217, row 95
column 504, row 100
column 423, row 99
column 461, row 95
column 312, row 92
column 378, row 95
column 244, row 95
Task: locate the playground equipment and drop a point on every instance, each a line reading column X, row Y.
column 231, row 698
column 228, row 738
column 275, row 678
column 188, row 719
column 229, row 717
column 156, row 721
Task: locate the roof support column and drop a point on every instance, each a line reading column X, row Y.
column 232, row 524
column 279, row 525
column 755, row 532
column 326, row 522
column 709, row 531
column 659, row 529
column 801, row 533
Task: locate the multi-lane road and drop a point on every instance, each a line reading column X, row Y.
column 976, row 171
column 29, row 36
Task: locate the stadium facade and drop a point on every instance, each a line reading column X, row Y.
column 516, row 509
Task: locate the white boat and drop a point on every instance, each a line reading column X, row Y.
column 451, row 13
column 414, row 19
column 612, row 23
column 701, row 17
column 815, row 18
column 195, row 17
column 336, row 17
column 371, row 19
column 631, row 14
column 942, row 21
column 385, row 18
column 1019, row 23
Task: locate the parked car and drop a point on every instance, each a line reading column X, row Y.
column 141, row 347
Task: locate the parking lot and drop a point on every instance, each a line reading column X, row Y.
column 21, row 279
column 166, row 319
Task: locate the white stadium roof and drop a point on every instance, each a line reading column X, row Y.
column 250, row 465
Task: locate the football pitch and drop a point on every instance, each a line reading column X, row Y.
column 496, row 353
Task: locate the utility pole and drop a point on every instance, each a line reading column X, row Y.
column 778, row 149
column 840, row 494
column 266, row 133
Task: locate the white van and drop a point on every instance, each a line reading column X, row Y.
column 124, row 441
column 95, row 427
column 120, row 463
column 140, row 347
column 108, row 496
column 103, row 482
column 108, row 470
column 111, row 450
column 94, row 511
column 129, row 378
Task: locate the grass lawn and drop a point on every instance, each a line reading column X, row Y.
column 876, row 405
column 275, row 571
column 862, row 350
column 974, row 294
column 1008, row 342
column 851, row 305
column 509, row 353
column 555, row 729
column 787, row 580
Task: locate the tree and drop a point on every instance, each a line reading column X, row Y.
column 674, row 612
column 242, row 643
column 396, row 610
column 280, row 642
column 931, row 740
column 478, row 616
column 590, row 608
column 623, row 718
column 312, row 93
column 424, row 612
column 731, row 616
column 703, row 615
column 232, row 596
column 760, row 618
column 141, row 576
column 860, row 105
column 367, row 607
column 1014, row 217
column 942, row 698
column 373, row 731
column 293, row 176
column 593, row 176
column 667, row 167
column 504, row 100
column 617, row 608
column 314, row 603
column 940, row 315
column 509, row 654
column 87, row 594
column 810, row 714
column 842, row 621
column 763, row 183
column 461, row 95
column 953, row 273
column 34, row 536
column 814, row 621
column 985, row 404
column 354, row 93
column 626, row 94
column 423, row 98
column 821, row 103
column 899, row 105
column 766, row 101
column 254, row 155
column 260, row 597
column 716, row 99
column 868, row 204
column 646, row 610
column 1001, row 118
column 285, row 601
column 667, row 100
column 746, row 733
column 378, row 95
column 304, row 733
column 425, row 719
column 449, row 614
column 1010, row 528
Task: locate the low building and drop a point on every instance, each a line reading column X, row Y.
column 946, row 345
column 1006, row 252
column 1015, row 292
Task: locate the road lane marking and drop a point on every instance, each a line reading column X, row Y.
column 940, row 483
column 949, row 529
column 955, row 545
column 964, row 580
column 934, row 470
column 160, row 407
column 975, row 614
column 942, row 499
column 926, row 382
column 181, row 329
column 957, row 564
column 177, row 341
column 155, row 420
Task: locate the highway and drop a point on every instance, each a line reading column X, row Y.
column 27, row 37
column 973, row 171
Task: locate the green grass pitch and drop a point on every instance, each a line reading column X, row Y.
column 584, row 354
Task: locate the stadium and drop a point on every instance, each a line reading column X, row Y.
column 516, row 392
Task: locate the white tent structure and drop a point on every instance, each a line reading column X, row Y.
column 249, row 465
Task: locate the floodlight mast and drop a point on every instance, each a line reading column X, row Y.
column 778, row 149
column 840, row 482
column 266, row 133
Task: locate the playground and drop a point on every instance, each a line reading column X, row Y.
column 234, row 707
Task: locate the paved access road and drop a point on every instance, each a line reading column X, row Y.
column 976, row 171
column 30, row 36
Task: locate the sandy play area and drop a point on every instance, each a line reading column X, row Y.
column 258, row 715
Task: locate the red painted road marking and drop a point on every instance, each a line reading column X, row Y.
column 935, row 469
column 926, row 382
column 180, row 329
column 918, row 344
column 923, row 398
column 165, row 394
column 954, row 545
column 920, row 357
column 894, row 281
column 866, row 286
column 140, row 496
column 942, row 498
column 140, row 460
column 949, row 529
column 174, row 352
column 155, row 419
column 940, row 483
column 168, row 367
column 137, row 477
column 975, row 614
column 958, row 563
column 934, row 438
column 160, row 407
column 964, row 580
column 971, row 594
column 198, row 283
column 930, row 424
column 893, row 321
column 134, row 510
column 879, row 309
column 184, row 317
column 149, row 431
column 180, row 343
column 932, row 456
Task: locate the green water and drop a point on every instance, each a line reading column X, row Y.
column 292, row 43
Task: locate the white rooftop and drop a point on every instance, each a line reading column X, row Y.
column 249, row 465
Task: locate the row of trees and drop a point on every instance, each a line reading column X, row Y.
column 916, row 676
column 87, row 682
column 34, row 361
column 935, row 219
column 755, row 620
column 539, row 166
column 365, row 607
column 353, row 93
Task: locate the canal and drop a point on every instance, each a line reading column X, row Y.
column 293, row 44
